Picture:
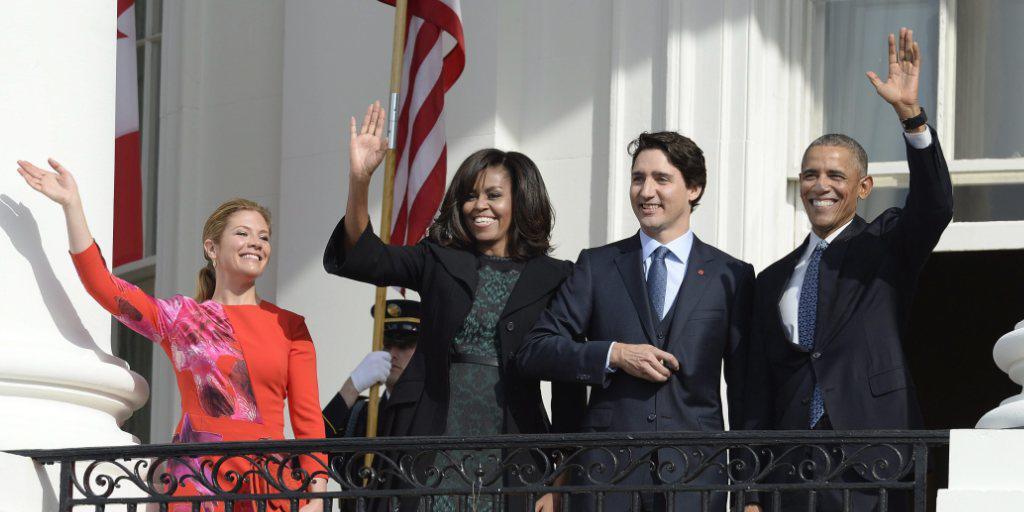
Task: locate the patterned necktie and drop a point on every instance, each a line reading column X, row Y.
column 657, row 280
column 807, row 316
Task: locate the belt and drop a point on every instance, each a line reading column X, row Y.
column 475, row 359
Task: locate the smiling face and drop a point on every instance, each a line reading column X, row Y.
column 660, row 198
column 487, row 211
column 243, row 249
column 831, row 183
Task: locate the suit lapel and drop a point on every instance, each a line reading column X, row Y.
column 540, row 276
column 631, row 269
column 700, row 268
column 460, row 264
column 830, row 319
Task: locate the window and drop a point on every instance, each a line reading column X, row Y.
column 973, row 72
column 126, row 344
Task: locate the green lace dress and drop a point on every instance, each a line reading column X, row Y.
column 476, row 404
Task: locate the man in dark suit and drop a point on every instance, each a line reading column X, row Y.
column 647, row 322
column 397, row 367
column 831, row 317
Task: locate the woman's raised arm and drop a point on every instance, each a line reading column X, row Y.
column 61, row 188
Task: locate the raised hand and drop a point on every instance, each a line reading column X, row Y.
column 62, row 189
column 59, row 186
column 368, row 145
column 900, row 88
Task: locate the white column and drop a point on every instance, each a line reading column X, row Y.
column 1009, row 355
column 59, row 385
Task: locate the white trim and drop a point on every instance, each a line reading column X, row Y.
column 982, row 236
column 956, row 167
column 137, row 270
column 945, row 101
column 617, row 105
column 150, row 46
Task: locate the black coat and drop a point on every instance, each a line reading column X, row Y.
column 446, row 280
column 866, row 286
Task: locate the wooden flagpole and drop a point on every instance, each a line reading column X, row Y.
column 390, row 162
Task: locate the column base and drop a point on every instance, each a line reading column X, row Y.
column 65, row 398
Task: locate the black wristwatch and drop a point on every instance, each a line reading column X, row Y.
column 915, row 122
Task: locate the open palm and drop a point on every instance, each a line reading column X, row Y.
column 59, row 186
column 900, row 88
column 367, row 146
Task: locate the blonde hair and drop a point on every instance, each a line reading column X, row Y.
column 215, row 225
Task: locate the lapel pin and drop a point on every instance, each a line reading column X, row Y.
column 700, row 272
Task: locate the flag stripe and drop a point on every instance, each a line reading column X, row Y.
column 427, row 73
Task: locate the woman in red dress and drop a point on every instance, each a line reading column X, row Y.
column 236, row 357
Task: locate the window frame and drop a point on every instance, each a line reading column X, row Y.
column 142, row 272
column 958, row 236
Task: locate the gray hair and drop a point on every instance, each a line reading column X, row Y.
column 860, row 157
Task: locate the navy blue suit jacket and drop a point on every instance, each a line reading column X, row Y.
column 605, row 300
column 866, row 287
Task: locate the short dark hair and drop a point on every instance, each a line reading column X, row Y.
column 860, row 157
column 529, row 234
column 681, row 151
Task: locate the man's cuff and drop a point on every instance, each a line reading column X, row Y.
column 608, row 360
column 919, row 140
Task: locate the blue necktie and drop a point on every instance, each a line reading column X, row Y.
column 807, row 316
column 657, row 281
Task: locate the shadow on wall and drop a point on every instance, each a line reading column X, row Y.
column 21, row 228
column 46, row 483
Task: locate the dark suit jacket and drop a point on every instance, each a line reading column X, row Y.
column 866, row 286
column 446, row 280
column 605, row 300
column 396, row 409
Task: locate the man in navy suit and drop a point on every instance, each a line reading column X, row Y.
column 831, row 317
column 647, row 322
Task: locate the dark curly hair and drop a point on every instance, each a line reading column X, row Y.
column 682, row 152
column 529, row 234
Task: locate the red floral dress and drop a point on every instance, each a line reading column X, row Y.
column 235, row 365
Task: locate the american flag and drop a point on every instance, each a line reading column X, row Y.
column 427, row 73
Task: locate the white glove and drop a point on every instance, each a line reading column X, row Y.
column 374, row 369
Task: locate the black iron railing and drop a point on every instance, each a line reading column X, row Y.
column 621, row 471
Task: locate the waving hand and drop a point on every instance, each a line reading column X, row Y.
column 59, row 186
column 368, row 145
column 900, row 88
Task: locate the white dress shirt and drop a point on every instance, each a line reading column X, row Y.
column 675, row 264
column 789, row 305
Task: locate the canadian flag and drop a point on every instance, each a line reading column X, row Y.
column 127, row 166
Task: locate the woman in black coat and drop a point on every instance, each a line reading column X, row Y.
column 484, row 277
